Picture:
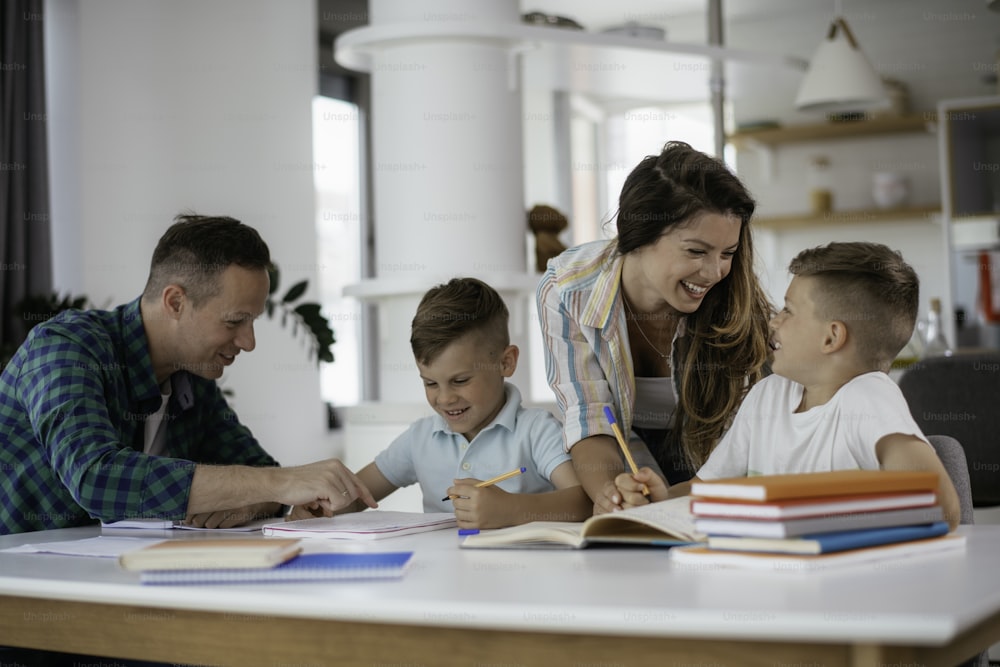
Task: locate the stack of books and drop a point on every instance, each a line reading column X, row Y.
column 811, row 520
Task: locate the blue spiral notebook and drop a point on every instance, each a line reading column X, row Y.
column 305, row 567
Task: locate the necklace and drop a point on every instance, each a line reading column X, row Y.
column 641, row 332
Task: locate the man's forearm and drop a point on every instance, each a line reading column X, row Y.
column 215, row 488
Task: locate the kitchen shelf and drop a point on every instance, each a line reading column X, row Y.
column 775, row 136
column 602, row 65
column 856, row 217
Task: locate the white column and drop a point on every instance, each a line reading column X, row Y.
column 447, row 164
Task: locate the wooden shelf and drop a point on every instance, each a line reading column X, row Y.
column 858, row 217
column 839, row 130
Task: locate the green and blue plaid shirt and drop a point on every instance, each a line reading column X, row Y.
column 73, row 404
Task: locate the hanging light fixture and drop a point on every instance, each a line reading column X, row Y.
column 840, row 77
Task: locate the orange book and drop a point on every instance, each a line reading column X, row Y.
column 765, row 488
column 183, row 554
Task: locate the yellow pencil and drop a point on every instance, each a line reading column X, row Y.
column 623, row 445
column 494, row 480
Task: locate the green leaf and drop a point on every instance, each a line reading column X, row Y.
column 296, row 290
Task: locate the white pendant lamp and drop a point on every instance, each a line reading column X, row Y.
column 840, row 78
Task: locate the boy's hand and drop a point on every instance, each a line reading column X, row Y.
column 629, row 488
column 479, row 506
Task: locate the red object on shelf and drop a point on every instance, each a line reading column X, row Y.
column 990, row 314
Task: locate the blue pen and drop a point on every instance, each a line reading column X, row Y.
column 624, row 445
column 468, row 531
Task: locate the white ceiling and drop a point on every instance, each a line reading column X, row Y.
column 937, row 48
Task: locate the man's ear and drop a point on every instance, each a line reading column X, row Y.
column 174, row 300
column 508, row 360
column 835, row 336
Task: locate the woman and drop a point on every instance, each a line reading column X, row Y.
column 667, row 323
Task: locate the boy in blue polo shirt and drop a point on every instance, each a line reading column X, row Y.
column 462, row 347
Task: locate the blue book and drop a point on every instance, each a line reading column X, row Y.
column 823, row 543
column 305, row 567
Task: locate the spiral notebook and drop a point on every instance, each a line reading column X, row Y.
column 305, row 567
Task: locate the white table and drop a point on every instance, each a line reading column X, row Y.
column 463, row 607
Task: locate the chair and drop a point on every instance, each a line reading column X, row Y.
column 952, row 456
column 958, row 396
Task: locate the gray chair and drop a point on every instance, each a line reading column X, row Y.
column 959, row 396
column 952, row 456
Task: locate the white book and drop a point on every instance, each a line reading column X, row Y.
column 703, row 558
column 781, row 528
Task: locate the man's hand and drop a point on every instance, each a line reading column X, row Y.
column 329, row 485
column 232, row 517
column 326, row 485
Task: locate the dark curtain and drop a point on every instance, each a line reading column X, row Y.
column 25, row 232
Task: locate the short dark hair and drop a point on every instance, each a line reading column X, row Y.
column 196, row 249
column 869, row 288
column 455, row 309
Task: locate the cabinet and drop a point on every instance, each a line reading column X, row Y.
column 766, row 141
column 970, row 185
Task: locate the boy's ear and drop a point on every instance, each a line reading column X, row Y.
column 508, row 360
column 835, row 337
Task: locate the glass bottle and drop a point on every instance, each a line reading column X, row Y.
column 820, row 193
column 935, row 343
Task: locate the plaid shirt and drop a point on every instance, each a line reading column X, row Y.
column 73, row 404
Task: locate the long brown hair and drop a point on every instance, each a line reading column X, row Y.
column 728, row 334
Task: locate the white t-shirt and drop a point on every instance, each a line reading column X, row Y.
column 768, row 437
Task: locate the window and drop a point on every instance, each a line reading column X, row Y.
column 339, row 226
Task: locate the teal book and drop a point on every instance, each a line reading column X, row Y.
column 824, row 543
column 305, row 567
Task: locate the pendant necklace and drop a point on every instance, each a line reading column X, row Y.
column 641, row 332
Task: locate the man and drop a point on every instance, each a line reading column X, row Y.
column 116, row 414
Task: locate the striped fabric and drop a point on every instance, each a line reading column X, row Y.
column 588, row 361
column 73, row 403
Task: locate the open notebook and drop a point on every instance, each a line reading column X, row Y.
column 666, row 523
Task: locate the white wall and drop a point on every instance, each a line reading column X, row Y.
column 162, row 106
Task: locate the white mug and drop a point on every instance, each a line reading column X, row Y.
column 890, row 189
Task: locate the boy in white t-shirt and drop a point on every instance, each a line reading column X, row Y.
column 830, row 404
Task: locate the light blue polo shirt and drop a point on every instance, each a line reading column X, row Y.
column 431, row 454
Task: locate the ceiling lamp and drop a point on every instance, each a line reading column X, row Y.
column 840, row 78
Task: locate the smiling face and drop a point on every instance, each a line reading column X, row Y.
column 798, row 333
column 683, row 264
column 210, row 335
column 465, row 383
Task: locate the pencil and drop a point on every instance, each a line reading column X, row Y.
column 494, row 480
column 623, row 445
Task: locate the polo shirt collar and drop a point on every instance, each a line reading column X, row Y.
column 507, row 417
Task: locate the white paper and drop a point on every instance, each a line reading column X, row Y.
column 167, row 524
column 102, row 546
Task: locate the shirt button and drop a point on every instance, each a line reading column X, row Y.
column 466, row 466
column 465, row 445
